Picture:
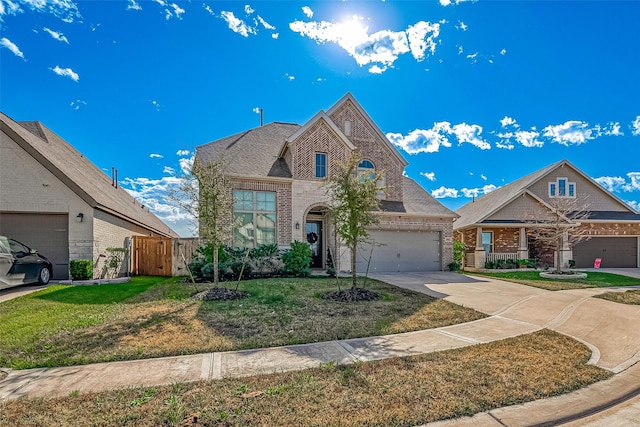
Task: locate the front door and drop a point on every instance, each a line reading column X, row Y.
column 314, row 238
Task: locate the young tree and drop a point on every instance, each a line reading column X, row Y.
column 353, row 198
column 559, row 228
column 205, row 194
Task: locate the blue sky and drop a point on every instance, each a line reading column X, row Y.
column 475, row 94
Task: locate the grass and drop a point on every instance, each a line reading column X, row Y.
column 628, row 297
column 532, row 278
column 155, row 317
column 402, row 391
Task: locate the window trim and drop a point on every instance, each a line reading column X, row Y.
column 569, row 189
column 324, row 166
column 255, row 212
column 490, row 233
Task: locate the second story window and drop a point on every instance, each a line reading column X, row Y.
column 562, row 188
column 367, row 167
column 321, row 165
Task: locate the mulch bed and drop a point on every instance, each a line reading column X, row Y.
column 221, row 294
column 352, row 295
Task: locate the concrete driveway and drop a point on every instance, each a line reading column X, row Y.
column 609, row 329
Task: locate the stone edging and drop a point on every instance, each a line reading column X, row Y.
column 574, row 275
column 95, row 281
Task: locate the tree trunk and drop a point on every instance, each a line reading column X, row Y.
column 354, row 283
column 216, row 274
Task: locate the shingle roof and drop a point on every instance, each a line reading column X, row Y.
column 79, row 174
column 253, row 153
column 418, row 201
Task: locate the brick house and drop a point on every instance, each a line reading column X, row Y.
column 497, row 225
column 277, row 172
column 55, row 200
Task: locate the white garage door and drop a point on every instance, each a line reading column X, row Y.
column 400, row 251
column 614, row 252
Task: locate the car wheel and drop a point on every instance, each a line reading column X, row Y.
column 44, row 276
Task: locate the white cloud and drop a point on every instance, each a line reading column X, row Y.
column 66, row 10
column 613, row 129
column 508, row 121
column 156, row 104
column 66, row 72
column 489, row 188
column 462, row 26
column 572, row 132
column 453, row 2
column 381, row 48
column 477, row 192
column 635, row 126
column 237, row 25
column 431, row 176
column 275, row 36
column 133, row 5
column 169, row 170
column 56, row 35
column 9, row 7
column 208, row 9
column 183, row 153
column 77, row 104
column 265, row 24
column 248, row 10
column 288, row 76
column 483, row 177
column 470, row 134
column 5, row 42
column 177, row 10
column 307, row 11
column 156, row 156
column 620, row 184
column 186, row 164
column 423, row 141
column 528, row 139
column 634, row 204
column 444, row 192
column 376, row 69
column 503, row 52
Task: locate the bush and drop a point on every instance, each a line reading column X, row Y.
column 453, row 266
column 81, row 269
column 297, row 259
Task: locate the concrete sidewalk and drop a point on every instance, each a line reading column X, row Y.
column 609, row 329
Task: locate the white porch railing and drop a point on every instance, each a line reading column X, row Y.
column 495, row 256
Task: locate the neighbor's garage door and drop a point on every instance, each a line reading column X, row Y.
column 615, row 252
column 400, row 251
column 46, row 233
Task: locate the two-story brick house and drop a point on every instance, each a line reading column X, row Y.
column 277, row 173
column 498, row 225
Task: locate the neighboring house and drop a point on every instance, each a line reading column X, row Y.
column 498, row 225
column 277, row 174
column 55, row 200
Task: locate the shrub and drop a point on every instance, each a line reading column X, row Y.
column 297, row 259
column 81, row 269
column 453, row 266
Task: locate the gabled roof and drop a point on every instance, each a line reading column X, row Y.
column 79, row 174
column 484, row 207
column 418, row 201
column 349, row 97
column 253, row 153
column 320, row 116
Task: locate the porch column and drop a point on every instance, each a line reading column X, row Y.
column 479, row 254
column 566, row 253
column 523, row 251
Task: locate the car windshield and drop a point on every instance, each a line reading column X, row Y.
column 4, row 245
column 18, row 247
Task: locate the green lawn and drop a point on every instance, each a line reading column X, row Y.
column 155, row 317
column 532, row 278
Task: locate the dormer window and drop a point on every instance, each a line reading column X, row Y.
column 562, row 188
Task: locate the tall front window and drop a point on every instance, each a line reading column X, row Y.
column 487, row 241
column 254, row 215
column 321, row 165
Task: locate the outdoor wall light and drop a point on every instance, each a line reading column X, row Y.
column 297, row 225
column 79, row 217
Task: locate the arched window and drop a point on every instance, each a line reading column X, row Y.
column 366, row 166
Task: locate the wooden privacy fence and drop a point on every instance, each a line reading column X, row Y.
column 162, row 256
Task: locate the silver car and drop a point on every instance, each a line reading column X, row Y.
column 20, row 264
